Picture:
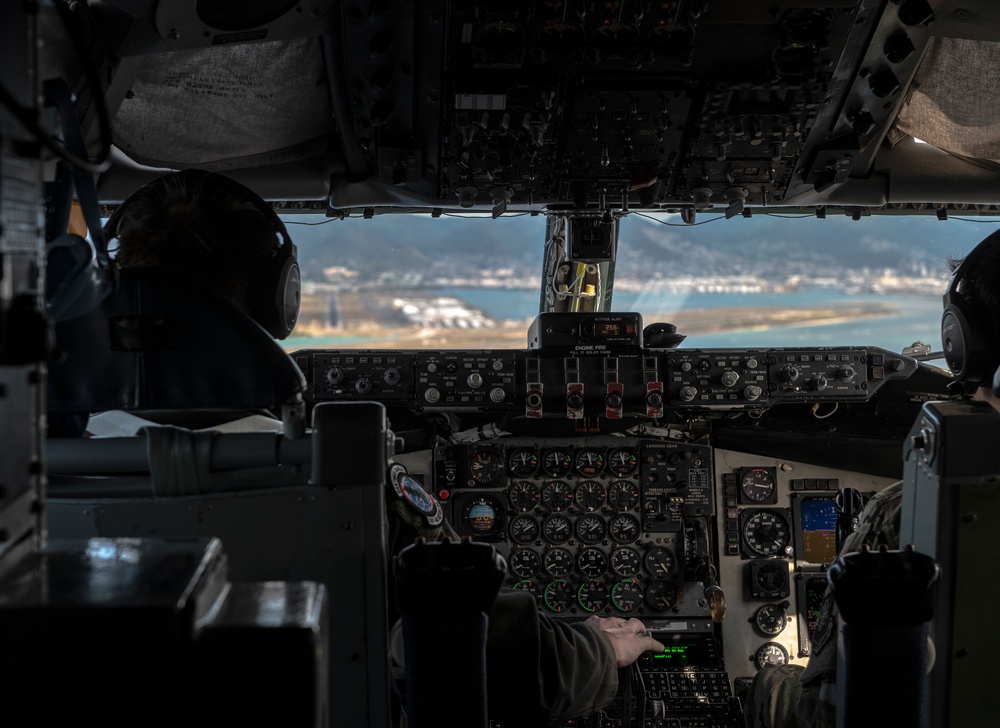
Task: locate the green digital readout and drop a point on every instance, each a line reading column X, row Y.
column 689, row 652
column 674, row 652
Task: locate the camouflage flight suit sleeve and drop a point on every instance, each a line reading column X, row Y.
column 789, row 696
column 541, row 670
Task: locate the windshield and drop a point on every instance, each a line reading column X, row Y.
column 413, row 281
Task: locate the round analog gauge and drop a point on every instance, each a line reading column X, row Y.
column 524, row 529
column 622, row 461
column 771, row 577
column 557, row 495
column 558, row 562
column 486, row 468
column 557, row 529
column 523, row 495
column 624, row 528
column 757, row 486
column 558, row 595
column 589, row 462
column 625, row 562
column 770, row 619
column 591, row 529
column 483, row 517
column 590, row 495
column 525, row 563
column 623, row 495
column 770, row 653
column 766, row 533
column 593, row 595
column 556, row 463
column 523, row 462
column 529, row 586
column 592, row 562
column 661, row 596
column 626, row 595
column 660, row 562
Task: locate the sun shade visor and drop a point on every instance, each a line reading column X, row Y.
column 954, row 102
column 229, row 107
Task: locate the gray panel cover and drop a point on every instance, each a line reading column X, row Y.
column 227, row 107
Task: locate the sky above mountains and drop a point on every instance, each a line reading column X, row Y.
column 771, row 247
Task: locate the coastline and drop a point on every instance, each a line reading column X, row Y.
column 381, row 321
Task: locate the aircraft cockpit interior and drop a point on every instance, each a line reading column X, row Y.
column 580, row 316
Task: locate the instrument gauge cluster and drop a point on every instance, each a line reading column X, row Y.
column 572, row 515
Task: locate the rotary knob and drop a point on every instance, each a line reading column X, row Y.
column 788, row 374
column 818, row 383
column 475, row 380
column 688, row 393
column 730, row 378
column 432, row 395
column 363, row 385
column 845, row 374
column 334, row 375
column 752, row 392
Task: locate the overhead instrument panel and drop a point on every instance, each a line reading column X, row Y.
column 572, row 104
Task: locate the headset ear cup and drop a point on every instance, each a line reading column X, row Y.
column 965, row 341
column 276, row 298
column 289, row 294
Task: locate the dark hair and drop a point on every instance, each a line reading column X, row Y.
column 187, row 220
column 985, row 287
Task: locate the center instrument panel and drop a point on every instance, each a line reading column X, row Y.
column 721, row 553
column 599, row 381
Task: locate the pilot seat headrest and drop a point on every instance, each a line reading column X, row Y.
column 165, row 341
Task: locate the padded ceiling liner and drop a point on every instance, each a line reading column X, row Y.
column 227, row 107
column 954, row 101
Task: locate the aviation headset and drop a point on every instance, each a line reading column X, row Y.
column 274, row 294
column 967, row 327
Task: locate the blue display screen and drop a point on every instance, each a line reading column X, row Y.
column 818, row 525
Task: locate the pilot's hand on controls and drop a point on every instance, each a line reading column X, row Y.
column 628, row 637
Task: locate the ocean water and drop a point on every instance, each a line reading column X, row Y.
column 918, row 318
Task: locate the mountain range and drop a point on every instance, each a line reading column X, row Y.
column 768, row 246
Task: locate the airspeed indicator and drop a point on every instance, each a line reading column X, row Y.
column 765, row 533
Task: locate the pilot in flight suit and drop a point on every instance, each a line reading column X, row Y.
column 789, row 696
column 538, row 669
